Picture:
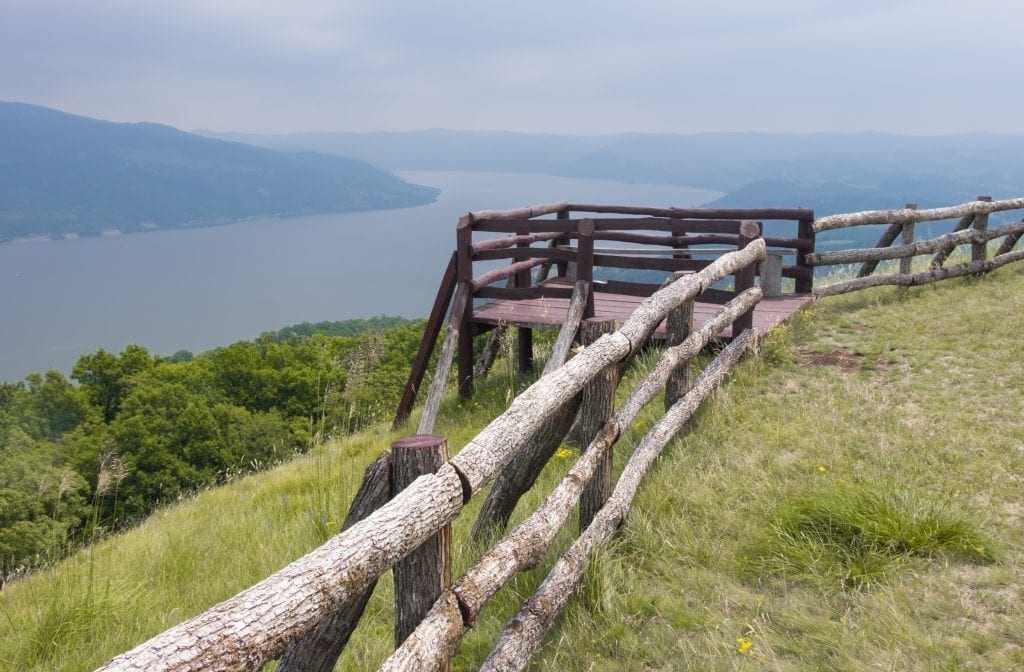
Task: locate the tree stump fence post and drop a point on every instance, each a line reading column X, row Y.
column 424, row 574
column 907, row 263
column 744, row 278
column 678, row 327
column 979, row 251
column 596, row 407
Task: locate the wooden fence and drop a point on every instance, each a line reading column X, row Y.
column 972, row 228
column 303, row 614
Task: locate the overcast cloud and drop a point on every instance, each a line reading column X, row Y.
column 912, row 66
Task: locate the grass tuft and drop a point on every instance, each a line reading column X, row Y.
column 857, row 536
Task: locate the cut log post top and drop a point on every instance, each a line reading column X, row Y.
column 907, row 215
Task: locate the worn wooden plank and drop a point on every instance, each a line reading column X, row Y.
column 435, row 393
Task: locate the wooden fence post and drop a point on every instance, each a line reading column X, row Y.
column 979, row 251
column 596, row 406
column 805, row 231
column 907, row 263
column 678, row 326
column 771, row 275
column 423, row 575
column 319, row 650
column 744, row 278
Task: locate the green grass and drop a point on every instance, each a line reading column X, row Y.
column 851, row 499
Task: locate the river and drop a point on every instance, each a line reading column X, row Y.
column 196, row 289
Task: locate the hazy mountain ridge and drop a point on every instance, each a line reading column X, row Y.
column 62, row 174
column 832, row 172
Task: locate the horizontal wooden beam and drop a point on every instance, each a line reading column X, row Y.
column 522, row 213
column 905, row 215
column 514, row 293
column 698, row 213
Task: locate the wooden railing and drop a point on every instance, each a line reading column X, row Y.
column 972, row 228
column 303, row 614
column 574, row 244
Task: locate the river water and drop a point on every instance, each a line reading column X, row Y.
column 201, row 288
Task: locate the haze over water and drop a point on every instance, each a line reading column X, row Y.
column 202, row 288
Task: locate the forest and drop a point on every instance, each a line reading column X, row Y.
column 95, row 453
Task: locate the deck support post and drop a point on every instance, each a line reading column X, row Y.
column 805, row 231
column 585, row 262
column 464, row 274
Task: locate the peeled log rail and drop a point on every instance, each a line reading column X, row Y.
column 493, row 447
column 519, row 475
column 258, row 625
column 696, row 213
column 924, row 278
column 509, row 271
column 521, row 213
column 904, row 215
column 523, row 635
column 438, row 636
column 506, row 242
column 914, row 249
column 940, row 257
column 319, row 650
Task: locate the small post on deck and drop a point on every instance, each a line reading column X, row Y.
column 562, row 266
column 744, row 279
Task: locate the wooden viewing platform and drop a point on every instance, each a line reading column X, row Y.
column 550, row 312
column 553, row 250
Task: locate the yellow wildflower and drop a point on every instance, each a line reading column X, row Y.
column 563, row 453
column 822, row 468
column 745, row 645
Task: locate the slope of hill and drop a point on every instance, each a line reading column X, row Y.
column 62, row 174
column 864, row 397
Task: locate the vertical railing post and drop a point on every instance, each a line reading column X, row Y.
column 563, row 266
column 678, row 326
column 464, row 275
column 596, row 407
column 907, row 263
column 979, row 251
column 424, row 574
column 805, row 231
column 524, row 279
column 744, row 278
column 585, row 262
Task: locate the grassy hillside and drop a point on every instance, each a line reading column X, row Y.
column 850, row 500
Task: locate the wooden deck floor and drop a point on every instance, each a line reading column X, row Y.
column 550, row 312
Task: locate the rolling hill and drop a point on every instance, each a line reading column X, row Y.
column 62, row 174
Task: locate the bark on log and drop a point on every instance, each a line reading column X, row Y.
column 522, row 213
column 924, row 278
column 260, row 623
column 678, row 326
column 438, row 636
column 320, row 649
column 519, row 475
column 906, row 263
column 523, row 635
column 887, row 238
column 903, row 215
column 506, row 242
column 497, row 443
column 940, row 257
column 596, row 406
column 980, row 250
column 424, row 574
column 948, row 240
column 444, row 362
column 1008, row 244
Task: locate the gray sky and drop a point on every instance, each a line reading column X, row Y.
column 909, row 66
